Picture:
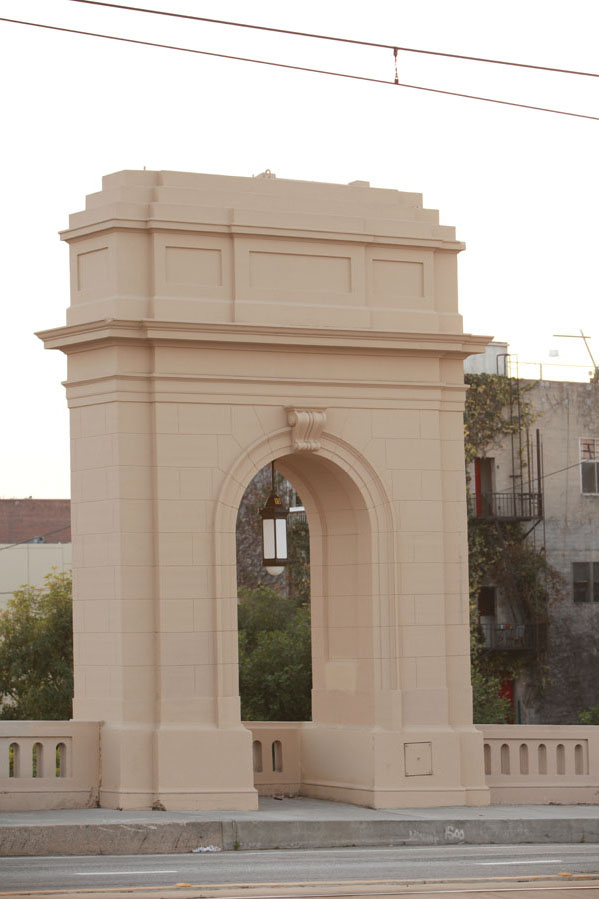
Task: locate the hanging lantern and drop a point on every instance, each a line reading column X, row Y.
column 274, row 531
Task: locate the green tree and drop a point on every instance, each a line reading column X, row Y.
column 275, row 668
column 261, row 610
column 590, row 715
column 36, row 652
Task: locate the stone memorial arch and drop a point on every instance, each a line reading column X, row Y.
column 217, row 324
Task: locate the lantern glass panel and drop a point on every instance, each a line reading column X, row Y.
column 281, row 525
column 268, row 537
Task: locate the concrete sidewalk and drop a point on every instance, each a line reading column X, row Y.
column 289, row 824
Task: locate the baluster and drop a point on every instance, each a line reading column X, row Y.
column 487, row 752
column 61, row 760
column 524, row 758
column 257, row 756
column 505, row 759
column 277, row 756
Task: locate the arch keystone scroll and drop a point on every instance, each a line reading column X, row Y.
column 306, row 427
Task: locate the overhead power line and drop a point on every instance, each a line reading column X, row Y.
column 559, row 470
column 29, row 539
column 329, row 37
column 283, row 65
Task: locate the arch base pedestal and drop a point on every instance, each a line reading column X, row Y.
column 177, row 768
column 380, row 769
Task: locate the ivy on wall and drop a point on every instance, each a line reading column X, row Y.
column 496, row 407
column 499, row 553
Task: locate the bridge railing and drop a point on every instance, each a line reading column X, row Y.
column 276, row 756
column 49, row 764
column 541, row 764
column 55, row 764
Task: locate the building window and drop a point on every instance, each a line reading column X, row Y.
column 486, row 601
column 483, row 487
column 589, row 465
column 585, row 581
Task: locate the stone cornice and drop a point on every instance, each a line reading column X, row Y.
column 367, row 238
column 70, row 338
column 164, row 380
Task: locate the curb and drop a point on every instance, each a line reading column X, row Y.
column 145, row 838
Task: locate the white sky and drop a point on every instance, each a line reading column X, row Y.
column 520, row 186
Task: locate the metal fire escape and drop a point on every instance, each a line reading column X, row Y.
column 522, row 503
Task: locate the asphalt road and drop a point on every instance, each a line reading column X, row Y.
column 289, row 866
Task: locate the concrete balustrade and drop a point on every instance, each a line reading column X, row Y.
column 55, row 764
column 541, row 763
column 523, row 764
column 277, row 756
column 49, row 764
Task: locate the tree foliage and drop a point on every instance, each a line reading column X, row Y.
column 488, row 705
column 590, row 715
column 261, row 610
column 36, row 652
column 500, row 553
column 530, row 584
column 275, row 668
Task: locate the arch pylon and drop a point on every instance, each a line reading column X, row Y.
column 217, row 324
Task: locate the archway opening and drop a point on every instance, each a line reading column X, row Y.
column 274, row 634
column 352, row 600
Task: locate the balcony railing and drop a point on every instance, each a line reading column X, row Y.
column 506, row 506
column 513, row 637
